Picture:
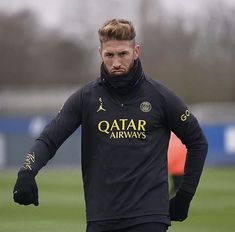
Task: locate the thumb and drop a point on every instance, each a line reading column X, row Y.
column 35, row 202
column 35, row 195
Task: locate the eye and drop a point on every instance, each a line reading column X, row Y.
column 122, row 54
column 109, row 55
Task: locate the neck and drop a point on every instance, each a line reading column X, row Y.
column 123, row 83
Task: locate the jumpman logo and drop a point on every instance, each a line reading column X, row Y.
column 101, row 108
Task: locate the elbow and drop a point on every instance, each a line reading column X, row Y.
column 205, row 144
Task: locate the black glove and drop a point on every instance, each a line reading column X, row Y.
column 179, row 206
column 26, row 191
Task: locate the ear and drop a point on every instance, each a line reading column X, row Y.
column 136, row 52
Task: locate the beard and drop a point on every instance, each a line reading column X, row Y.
column 123, row 83
column 117, row 72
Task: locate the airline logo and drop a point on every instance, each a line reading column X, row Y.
column 123, row 128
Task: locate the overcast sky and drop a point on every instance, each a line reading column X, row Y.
column 60, row 13
column 50, row 11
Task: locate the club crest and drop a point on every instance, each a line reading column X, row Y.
column 145, row 106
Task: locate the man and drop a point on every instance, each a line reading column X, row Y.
column 126, row 120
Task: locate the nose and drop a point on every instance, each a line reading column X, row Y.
column 116, row 63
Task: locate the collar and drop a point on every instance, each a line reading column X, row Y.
column 123, row 84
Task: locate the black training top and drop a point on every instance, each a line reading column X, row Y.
column 124, row 146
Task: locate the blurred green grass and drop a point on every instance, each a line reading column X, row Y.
column 62, row 203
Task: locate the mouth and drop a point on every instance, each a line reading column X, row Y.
column 117, row 72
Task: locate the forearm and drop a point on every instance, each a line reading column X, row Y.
column 38, row 156
column 195, row 160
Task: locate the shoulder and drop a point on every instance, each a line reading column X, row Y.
column 86, row 89
column 91, row 86
column 159, row 88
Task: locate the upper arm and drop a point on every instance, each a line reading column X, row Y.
column 181, row 121
column 65, row 123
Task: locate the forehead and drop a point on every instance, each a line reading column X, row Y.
column 116, row 45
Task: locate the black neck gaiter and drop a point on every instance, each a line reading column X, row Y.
column 122, row 84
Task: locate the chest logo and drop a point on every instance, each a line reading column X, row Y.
column 145, row 106
column 101, row 108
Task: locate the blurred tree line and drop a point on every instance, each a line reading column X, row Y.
column 31, row 54
column 195, row 59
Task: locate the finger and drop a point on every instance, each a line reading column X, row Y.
column 35, row 196
column 24, row 201
column 15, row 195
column 23, row 198
column 36, row 203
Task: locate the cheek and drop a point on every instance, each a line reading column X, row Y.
column 125, row 60
column 128, row 61
column 106, row 61
column 108, row 64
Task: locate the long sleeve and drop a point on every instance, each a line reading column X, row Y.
column 54, row 134
column 183, row 123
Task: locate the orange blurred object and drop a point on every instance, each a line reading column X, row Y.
column 176, row 156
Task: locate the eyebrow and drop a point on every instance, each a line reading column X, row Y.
column 122, row 51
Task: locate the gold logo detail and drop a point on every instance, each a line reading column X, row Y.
column 185, row 116
column 145, row 106
column 124, row 128
column 30, row 158
column 101, row 108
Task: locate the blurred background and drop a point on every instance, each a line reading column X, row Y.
column 49, row 49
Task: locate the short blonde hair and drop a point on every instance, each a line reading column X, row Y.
column 117, row 29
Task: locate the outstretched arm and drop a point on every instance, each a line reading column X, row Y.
column 44, row 148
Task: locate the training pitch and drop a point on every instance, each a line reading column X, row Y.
column 62, row 203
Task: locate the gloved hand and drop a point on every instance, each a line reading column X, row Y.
column 25, row 190
column 179, row 206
